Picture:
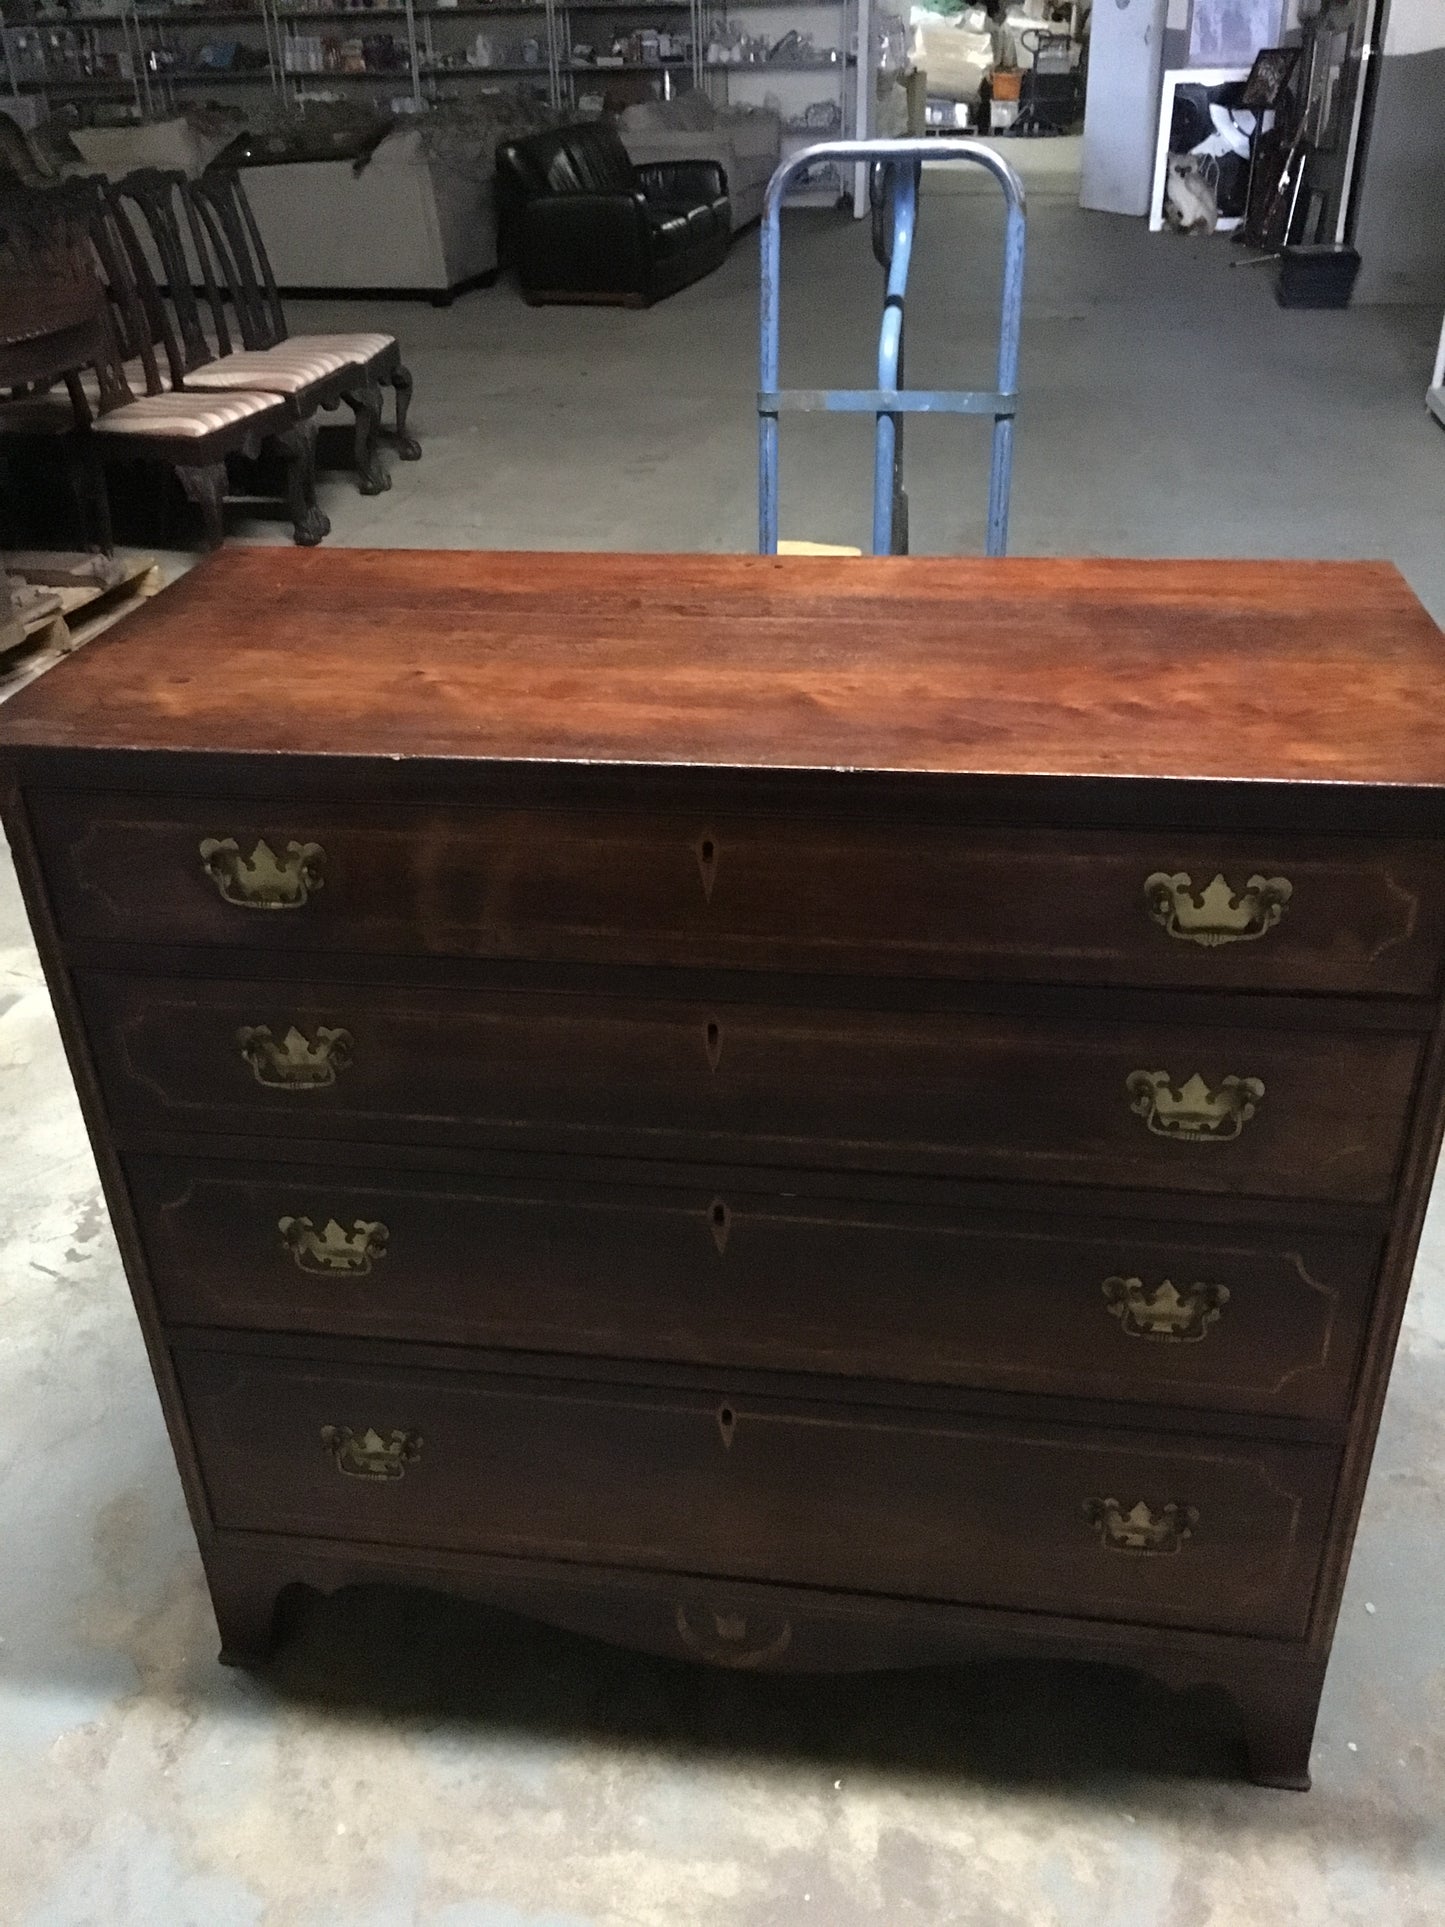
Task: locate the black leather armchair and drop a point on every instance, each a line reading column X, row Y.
column 582, row 223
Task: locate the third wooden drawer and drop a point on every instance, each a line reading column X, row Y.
column 1250, row 1318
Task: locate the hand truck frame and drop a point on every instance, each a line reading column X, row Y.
column 895, row 172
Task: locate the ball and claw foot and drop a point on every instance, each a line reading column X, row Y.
column 312, row 526
column 407, row 445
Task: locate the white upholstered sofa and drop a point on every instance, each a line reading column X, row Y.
column 746, row 143
column 405, row 220
column 415, row 216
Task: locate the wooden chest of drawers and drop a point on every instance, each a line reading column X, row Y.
column 788, row 1113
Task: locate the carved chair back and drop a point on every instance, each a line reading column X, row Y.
column 152, row 204
column 139, row 315
column 57, row 312
column 220, row 202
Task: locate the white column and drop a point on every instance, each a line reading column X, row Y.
column 1121, row 117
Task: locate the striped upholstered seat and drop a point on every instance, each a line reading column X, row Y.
column 188, row 415
column 288, row 369
column 191, row 416
column 353, row 348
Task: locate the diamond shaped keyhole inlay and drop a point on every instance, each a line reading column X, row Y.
column 719, row 1220
column 705, row 850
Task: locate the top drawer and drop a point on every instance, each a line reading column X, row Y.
column 767, row 893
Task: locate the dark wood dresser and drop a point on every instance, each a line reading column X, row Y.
column 794, row 1113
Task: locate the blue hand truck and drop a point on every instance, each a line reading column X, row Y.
column 895, row 170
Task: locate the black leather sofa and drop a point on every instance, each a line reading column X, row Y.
column 582, row 223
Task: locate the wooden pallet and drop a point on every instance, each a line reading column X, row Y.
column 65, row 600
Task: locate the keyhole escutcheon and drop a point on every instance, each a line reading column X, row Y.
column 705, row 850
column 727, row 1420
column 712, row 1042
column 719, row 1220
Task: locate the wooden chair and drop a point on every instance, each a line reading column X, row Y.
column 99, row 421
column 185, row 243
column 54, row 324
column 260, row 315
column 52, row 308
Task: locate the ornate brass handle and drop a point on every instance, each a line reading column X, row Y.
column 1193, row 1114
column 1215, row 915
column 371, row 1454
column 333, row 1252
column 264, row 881
column 732, row 1638
column 295, row 1064
column 1172, row 1316
column 1142, row 1530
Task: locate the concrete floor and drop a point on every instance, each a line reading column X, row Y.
column 1169, row 406
column 411, row 1761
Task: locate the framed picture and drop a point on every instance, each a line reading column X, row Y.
column 1229, row 33
column 1271, row 73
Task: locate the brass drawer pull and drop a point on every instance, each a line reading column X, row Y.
column 264, row 881
column 333, row 1252
column 1172, row 1316
column 371, row 1454
column 1194, row 1114
column 1142, row 1530
column 1216, row 915
column 295, row 1064
column 732, row 1638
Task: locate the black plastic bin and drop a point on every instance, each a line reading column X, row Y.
column 1317, row 276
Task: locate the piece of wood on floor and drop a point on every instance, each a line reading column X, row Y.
column 814, row 548
column 55, row 620
column 70, row 568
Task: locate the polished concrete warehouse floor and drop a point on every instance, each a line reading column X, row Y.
column 1169, row 407
column 410, row 1762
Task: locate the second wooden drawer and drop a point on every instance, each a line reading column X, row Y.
column 1237, row 1109
column 1249, row 1318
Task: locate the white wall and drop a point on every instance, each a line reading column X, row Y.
column 1414, row 26
column 1121, row 111
column 1400, row 227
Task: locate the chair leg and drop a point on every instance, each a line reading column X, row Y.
column 205, row 485
column 407, row 446
column 88, row 485
column 364, row 402
column 298, row 450
column 11, row 633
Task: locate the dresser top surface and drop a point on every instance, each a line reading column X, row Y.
column 1250, row 671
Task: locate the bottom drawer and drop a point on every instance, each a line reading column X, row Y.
column 1219, row 1534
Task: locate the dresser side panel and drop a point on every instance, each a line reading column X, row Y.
column 1412, row 1197
column 15, row 816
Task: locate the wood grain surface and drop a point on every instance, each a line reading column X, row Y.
column 720, row 1274
column 975, row 1095
column 750, row 891
column 728, row 983
column 760, row 1488
column 1284, row 671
